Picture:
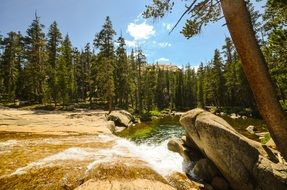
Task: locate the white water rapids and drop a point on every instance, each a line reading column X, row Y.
column 158, row 157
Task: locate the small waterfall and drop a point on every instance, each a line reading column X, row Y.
column 157, row 156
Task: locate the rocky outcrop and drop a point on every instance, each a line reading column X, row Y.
column 121, row 118
column 244, row 163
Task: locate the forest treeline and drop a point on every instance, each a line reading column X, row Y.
column 41, row 68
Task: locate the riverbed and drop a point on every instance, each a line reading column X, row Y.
column 36, row 153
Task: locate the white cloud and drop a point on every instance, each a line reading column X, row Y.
column 141, row 31
column 163, row 59
column 164, row 44
column 167, row 26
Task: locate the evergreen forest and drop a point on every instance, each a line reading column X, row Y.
column 45, row 68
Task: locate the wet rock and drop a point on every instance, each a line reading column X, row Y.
column 111, row 126
column 176, row 145
column 222, row 114
column 205, row 170
column 188, row 154
column 121, row 118
column 234, row 116
column 181, row 182
column 251, row 129
column 244, row 163
column 218, row 183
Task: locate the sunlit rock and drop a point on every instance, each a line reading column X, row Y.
column 245, row 164
column 181, row 182
column 121, row 118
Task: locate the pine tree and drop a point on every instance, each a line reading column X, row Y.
column 106, row 62
column 53, row 52
column 11, row 65
column 200, row 77
column 149, row 86
column 140, row 62
column 65, row 72
column 230, row 74
column 189, row 87
column 79, row 76
column 275, row 48
column 160, row 96
column 88, row 73
column 36, row 67
column 121, row 74
column 179, row 89
column 132, row 79
column 217, row 79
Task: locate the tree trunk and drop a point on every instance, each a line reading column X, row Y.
column 255, row 68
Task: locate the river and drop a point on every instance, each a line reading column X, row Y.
column 26, row 156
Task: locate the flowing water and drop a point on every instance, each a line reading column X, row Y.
column 154, row 132
column 24, row 157
column 56, row 160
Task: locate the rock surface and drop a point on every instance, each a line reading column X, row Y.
column 136, row 184
column 182, row 182
column 246, row 164
column 219, row 183
column 205, row 170
column 188, row 153
column 176, row 145
column 251, row 129
column 121, row 118
column 125, row 174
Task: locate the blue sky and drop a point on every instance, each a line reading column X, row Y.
column 83, row 19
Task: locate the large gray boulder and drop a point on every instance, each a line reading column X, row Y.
column 121, row 118
column 246, row 164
